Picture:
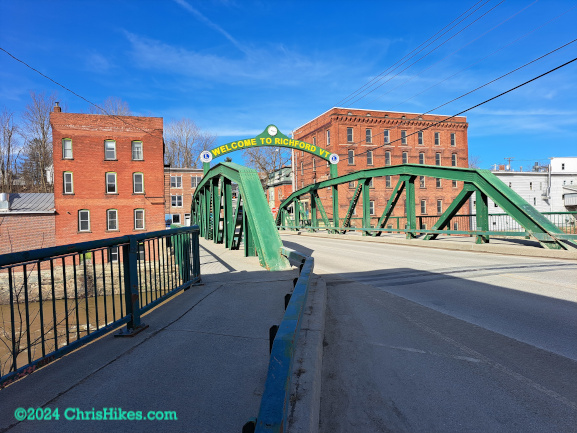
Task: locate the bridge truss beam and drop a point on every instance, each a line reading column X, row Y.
column 482, row 183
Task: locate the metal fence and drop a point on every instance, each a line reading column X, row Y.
column 464, row 224
column 54, row 300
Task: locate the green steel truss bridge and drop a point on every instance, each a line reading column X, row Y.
column 249, row 221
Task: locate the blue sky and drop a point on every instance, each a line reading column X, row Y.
column 236, row 66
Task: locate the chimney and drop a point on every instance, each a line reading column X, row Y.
column 4, row 202
column 57, row 108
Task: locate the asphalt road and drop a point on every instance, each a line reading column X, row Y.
column 427, row 340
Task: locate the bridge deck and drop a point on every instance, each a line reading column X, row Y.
column 205, row 356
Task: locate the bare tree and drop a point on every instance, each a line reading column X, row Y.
column 267, row 160
column 9, row 152
column 184, row 142
column 112, row 105
column 37, row 134
column 474, row 161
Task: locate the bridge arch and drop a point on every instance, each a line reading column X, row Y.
column 271, row 136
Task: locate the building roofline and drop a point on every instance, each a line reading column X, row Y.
column 379, row 111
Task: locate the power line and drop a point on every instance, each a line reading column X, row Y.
column 74, row 93
column 411, row 55
column 466, row 110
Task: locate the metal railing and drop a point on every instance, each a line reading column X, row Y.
column 275, row 402
column 54, row 300
column 499, row 224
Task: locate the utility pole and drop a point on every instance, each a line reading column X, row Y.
column 509, row 162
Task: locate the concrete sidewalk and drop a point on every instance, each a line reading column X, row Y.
column 204, row 356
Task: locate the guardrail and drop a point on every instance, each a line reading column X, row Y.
column 54, row 300
column 499, row 224
column 275, row 402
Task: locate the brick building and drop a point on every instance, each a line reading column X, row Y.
column 179, row 187
column 26, row 221
column 278, row 187
column 108, row 175
column 370, row 138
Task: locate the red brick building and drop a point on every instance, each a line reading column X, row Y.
column 108, row 175
column 278, row 187
column 370, row 138
column 179, row 187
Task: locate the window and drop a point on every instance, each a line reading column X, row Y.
column 405, row 157
column 175, row 218
column 279, row 193
column 454, row 184
column 349, row 135
column 510, row 184
column 315, row 140
column 531, row 186
column 328, row 137
column 453, row 139
column 437, row 138
column 422, row 181
column 138, row 219
column 137, row 151
column 109, row 149
column 68, row 184
column 113, row 254
column 351, row 157
column 420, row 138
column 369, row 135
column 302, row 169
column 111, row 183
column 454, row 159
column 66, row 148
column 314, row 164
column 194, row 181
column 439, row 184
column 371, row 184
column 111, row 219
column 534, row 201
column 403, row 136
column 138, row 183
column 388, row 181
column 563, row 166
column 372, row 207
column 437, row 158
column 352, row 184
column 387, row 158
column 83, row 220
column 176, row 200
column 387, row 136
column 455, row 226
column 370, row 157
column 421, row 158
column 176, row 181
column 423, row 207
column 439, row 206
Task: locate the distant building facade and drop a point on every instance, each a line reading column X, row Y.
column 179, row 187
column 550, row 188
column 108, row 175
column 26, row 221
column 278, row 186
column 366, row 139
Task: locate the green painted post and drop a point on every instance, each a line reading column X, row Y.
column 249, row 246
column 410, row 206
column 205, row 167
column 207, row 195
column 482, row 212
column 215, row 209
column 228, row 222
column 296, row 205
column 336, row 219
column 314, row 222
column 366, row 205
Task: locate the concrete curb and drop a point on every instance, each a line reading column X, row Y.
column 444, row 244
column 305, row 402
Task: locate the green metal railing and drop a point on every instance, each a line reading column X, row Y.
column 275, row 402
column 54, row 300
column 499, row 225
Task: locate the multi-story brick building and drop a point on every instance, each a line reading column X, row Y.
column 370, row 138
column 108, row 175
column 179, row 187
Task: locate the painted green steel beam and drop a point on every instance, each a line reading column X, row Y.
column 452, row 210
column 260, row 227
